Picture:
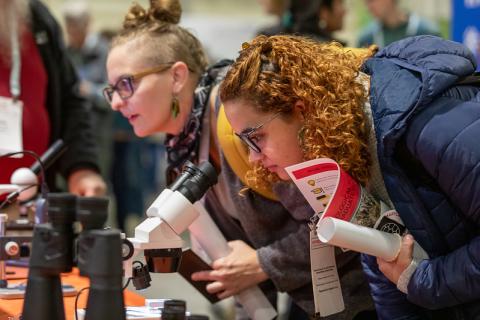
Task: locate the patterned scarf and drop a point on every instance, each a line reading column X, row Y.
column 186, row 145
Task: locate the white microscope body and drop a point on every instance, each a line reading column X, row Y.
column 168, row 216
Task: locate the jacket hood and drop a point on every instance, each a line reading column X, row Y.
column 408, row 74
column 441, row 62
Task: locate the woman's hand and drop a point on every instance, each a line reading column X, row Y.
column 233, row 273
column 392, row 270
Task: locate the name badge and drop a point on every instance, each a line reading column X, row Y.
column 11, row 139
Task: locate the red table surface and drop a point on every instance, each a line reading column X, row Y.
column 13, row 307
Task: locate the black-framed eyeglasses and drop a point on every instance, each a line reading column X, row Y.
column 246, row 135
column 125, row 84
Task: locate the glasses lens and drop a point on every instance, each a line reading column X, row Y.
column 252, row 144
column 108, row 93
column 249, row 142
column 124, row 87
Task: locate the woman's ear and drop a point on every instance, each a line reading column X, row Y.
column 299, row 109
column 180, row 75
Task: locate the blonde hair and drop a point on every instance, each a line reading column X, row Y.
column 158, row 37
column 273, row 73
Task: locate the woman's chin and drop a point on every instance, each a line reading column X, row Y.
column 139, row 132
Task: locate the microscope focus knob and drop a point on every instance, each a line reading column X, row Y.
column 12, row 248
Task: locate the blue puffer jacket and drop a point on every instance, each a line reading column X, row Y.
column 428, row 133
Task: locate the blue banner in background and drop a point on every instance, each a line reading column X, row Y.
column 466, row 24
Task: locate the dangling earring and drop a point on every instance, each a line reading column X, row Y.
column 175, row 108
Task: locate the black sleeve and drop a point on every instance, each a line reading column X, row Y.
column 69, row 112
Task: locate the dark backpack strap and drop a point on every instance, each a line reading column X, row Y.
column 471, row 80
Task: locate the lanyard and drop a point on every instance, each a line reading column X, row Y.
column 16, row 63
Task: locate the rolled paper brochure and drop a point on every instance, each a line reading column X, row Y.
column 211, row 239
column 357, row 238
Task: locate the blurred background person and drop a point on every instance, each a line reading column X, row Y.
column 52, row 106
column 392, row 23
column 88, row 52
column 317, row 19
column 331, row 14
column 280, row 10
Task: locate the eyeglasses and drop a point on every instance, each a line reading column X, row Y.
column 246, row 135
column 124, row 86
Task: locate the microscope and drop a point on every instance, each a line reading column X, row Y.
column 169, row 215
column 56, row 249
column 16, row 227
column 175, row 210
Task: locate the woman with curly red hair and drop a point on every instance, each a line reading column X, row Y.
column 402, row 125
column 331, row 90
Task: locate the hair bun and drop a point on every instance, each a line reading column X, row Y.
column 168, row 11
column 135, row 17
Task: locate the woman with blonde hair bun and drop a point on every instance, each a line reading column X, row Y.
column 404, row 123
column 160, row 81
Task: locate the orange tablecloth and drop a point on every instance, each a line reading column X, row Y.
column 13, row 307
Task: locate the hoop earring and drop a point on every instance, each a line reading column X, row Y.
column 175, row 107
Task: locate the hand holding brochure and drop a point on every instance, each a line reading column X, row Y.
column 366, row 240
column 332, row 193
column 348, row 216
column 361, row 239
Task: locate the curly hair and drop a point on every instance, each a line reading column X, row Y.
column 161, row 39
column 273, row 73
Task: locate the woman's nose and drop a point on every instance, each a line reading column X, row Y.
column 116, row 102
